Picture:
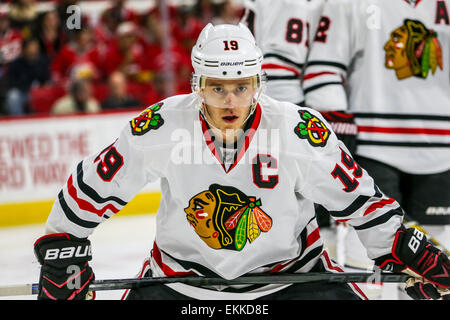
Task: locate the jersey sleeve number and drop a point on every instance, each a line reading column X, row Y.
column 350, row 182
column 294, row 31
column 321, row 33
column 109, row 164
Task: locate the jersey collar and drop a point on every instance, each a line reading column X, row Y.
column 413, row 2
column 243, row 142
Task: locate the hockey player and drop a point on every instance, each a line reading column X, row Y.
column 283, row 30
column 387, row 62
column 240, row 173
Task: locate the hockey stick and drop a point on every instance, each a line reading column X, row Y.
column 118, row 284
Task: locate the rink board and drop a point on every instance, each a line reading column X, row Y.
column 38, row 153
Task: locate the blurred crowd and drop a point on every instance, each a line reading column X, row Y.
column 125, row 59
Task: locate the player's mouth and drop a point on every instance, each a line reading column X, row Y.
column 230, row 118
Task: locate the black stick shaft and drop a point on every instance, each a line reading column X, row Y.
column 362, row 277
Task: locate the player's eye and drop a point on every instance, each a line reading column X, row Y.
column 218, row 89
column 241, row 89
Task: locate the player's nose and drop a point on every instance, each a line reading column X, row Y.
column 230, row 99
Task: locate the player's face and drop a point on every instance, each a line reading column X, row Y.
column 395, row 48
column 228, row 102
column 200, row 216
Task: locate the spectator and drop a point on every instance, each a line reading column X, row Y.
column 118, row 97
column 205, row 10
column 119, row 13
column 105, row 31
column 163, row 84
column 78, row 56
column 10, row 43
column 49, row 33
column 79, row 99
column 23, row 13
column 32, row 68
column 125, row 54
column 174, row 62
column 188, row 28
column 227, row 13
column 10, row 49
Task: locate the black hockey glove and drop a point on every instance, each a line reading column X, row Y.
column 65, row 272
column 343, row 124
column 429, row 267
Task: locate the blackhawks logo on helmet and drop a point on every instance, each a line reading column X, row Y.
column 147, row 120
column 413, row 50
column 225, row 218
column 312, row 129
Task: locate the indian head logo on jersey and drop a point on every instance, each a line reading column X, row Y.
column 312, row 129
column 225, row 218
column 147, row 120
column 413, row 50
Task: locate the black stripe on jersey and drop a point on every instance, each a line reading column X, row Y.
column 402, row 144
column 90, row 192
column 314, row 253
column 72, row 216
column 192, row 265
column 355, row 205
column 283, row 58
column 365, row 115
column 320, row 85
column 380, row 220
column 207, row 272
column 326, row 63
column 271, row 78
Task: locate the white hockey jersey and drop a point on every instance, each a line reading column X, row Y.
column 255, row 216
column 388, row 62
column 283, row 29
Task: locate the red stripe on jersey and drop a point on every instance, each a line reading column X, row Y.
column 266, row 66
column 141, row 274
column 280, row 266
column 251, row 132
column 249, row 137
column 51, row 235
column 378, row 205
column 332, row 267
column 404, row 130
column 156, row 254
column 87, row 206
column 314, row 75
column 312, row 237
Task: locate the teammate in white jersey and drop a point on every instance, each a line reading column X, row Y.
column 251, row 214
column 388, row 63
column 283, row 30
